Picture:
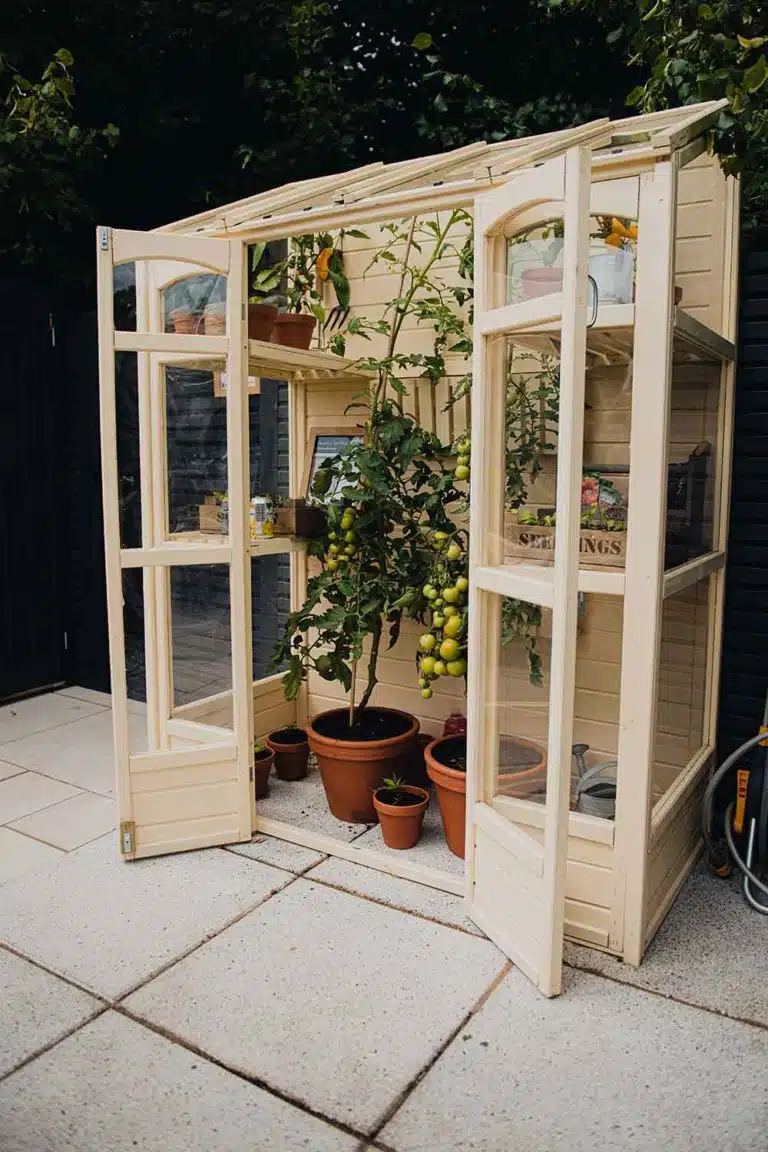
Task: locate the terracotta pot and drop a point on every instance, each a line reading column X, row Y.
column 541, row 281
column 262, row 766
column 214, row 321
column 291, row 756
column 451, row 787
column 522, row 767
column 184, row 321
column 401, row 823
column 261, row 321
column 353, row 769
column 293, row 329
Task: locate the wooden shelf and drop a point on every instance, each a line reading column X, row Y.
column 277, row 361
column 263, row 546
column 536, row 584
column 611, row 339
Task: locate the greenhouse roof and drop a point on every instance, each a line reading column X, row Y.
column 449, row 179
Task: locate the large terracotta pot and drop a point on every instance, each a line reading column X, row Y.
column 293, row 329
column 291, row 751
column 261, row 321
column 451, row 787
column 184, row 321
column 352, row 769
column 401, row 823
column 262, row 766
column 541, row 281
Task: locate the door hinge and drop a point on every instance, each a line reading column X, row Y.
column 250, row 772
column 128, row 837
column 103, row 234
column 66, row 642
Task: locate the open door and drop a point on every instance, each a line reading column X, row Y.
column 180, row 784
column 530, row 275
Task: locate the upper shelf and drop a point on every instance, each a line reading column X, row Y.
column 611, row 338
column 309, row 365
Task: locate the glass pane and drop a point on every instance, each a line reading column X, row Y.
column 196, row 429
column 124, row 293
column 129, row 478
column 534, row 262
column 196, row 304
column 692, row 455
column 201, row 633
column 681, row 683
column 530, row 515
column 269, row 442
column 522, row 703
column 271, row 601
column 133, row 623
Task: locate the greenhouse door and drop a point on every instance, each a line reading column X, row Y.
column 177, row 591
column 516, row 881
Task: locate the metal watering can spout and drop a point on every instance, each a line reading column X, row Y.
column 579, row 751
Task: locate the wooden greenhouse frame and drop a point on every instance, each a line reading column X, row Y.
column 632, row 652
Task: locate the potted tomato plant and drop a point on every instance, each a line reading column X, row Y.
column 400, row 808
column 312, row 259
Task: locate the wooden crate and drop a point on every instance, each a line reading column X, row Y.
column 210, row 517
column 299, row 519
column 535, row 543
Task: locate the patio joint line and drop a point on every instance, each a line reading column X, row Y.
column 256, row 1081
column 668, row 996
column 53, row 727
column 52, row 972
column 393, row 907
column 99, row 1011
column 281, row 868
column 402, row 1096
column 54, row 780
column 47, row 843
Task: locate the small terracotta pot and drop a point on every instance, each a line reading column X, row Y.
column 401, row 823
column 293, row 329
column 214, row 321
column 184, row 321
column 291, row 757
column 262, row 766
column 352, row 770
column 451, row 787
column 541, row 281
column 261, row 321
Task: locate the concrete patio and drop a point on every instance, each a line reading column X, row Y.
column 265, row 997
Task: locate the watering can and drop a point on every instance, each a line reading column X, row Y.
column 594, row 796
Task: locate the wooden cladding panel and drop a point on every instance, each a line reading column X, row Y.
column 700, row 244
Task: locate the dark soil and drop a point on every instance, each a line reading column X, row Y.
column 289, row 736
column 398, row 797
column 373, row 724
column 452, row 753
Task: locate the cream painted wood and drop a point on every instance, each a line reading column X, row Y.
column 111, row 499
column 645, row 549
column 517, row 886
column 129, row 246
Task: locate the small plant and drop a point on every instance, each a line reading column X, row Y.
column 397, row 793
column 260, row 749
column 266, row 281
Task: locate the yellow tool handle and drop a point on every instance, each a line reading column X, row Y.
column 742, row 783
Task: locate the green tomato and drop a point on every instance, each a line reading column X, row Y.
column 332, row 565
column 429, row 591
column 427, row 642
column 453, row 551
column 438, row 602
column 463, row 447
column 350, row 538
column 450, row 595
column 462, row 461
column 440, row 536
column 347, row 520
column 350, row 550
column 440, row 668
column 462, row 584
column 457, row 667
column 324, row 667
column 449, row 649
column 427, row 693
column 454, row 626
column 423, row 682
column 427, row 666
column 450, row 611
column 437, row 620
column 332, row 536
column 462, row 472
column 333, row 549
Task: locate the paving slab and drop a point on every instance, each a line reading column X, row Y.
column 29, row 792
column 108, row 925
column 102, row 698
column 711, row 950
column 20, row 854
column 602, row 1067
column 329, row 998
column 303, row 804
column 114, row 1086
column 40, row 713
column 397, row 893
column 79, row 753
column 280, row 853
column 431, row 850
column 36, row 1009
column 71, row 823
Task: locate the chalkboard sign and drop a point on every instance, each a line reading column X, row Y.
column 324, row 445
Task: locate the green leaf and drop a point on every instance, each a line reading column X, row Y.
column 422, row 41
column 705, row 12
column 356, row 233
column 636, row 95
column 756, row 76
column 753, row 42
column 258, row 251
